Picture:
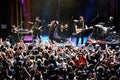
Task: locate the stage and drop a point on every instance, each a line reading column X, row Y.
column 45, row 40
column 71, row 41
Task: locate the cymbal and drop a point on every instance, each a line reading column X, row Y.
column 76, row 21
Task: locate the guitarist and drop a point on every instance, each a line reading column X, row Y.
column 36, row 28
column 79, row 26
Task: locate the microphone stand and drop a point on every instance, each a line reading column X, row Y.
column 95, row 18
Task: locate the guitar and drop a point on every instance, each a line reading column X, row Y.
column 34, row 27
column 15, row 29
column 81, row 29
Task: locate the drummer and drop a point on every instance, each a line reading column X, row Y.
column 110, row 22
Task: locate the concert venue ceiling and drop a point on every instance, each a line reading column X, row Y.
column 94, row 11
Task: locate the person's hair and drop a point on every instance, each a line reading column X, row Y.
column 32, row 72
column 113, row 78
column 81, row 17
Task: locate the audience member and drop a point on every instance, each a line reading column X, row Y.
column 48, row 62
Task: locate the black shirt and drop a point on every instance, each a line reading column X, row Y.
column 81, row 25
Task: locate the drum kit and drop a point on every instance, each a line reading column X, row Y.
column 104, row 32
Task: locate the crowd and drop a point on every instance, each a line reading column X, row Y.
column 52, row 62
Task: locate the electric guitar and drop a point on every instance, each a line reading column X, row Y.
column 34, row 27
column 79, row 30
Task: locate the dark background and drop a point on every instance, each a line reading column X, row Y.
column 4, row 18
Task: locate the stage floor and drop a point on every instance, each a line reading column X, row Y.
column 69, row 41
column 72, row 41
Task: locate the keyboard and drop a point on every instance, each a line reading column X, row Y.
column 23, row 31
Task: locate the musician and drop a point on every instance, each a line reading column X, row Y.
column 66, row 29
column 61, row 30
column 110, row 22
column 15, row 33
column 79, row 26
column 53, row 24
column 37, row 26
